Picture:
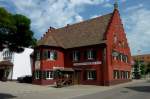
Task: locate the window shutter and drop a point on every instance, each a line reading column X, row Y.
column 78, row 55
column 55, row 55
column 85, row 54
column 45, row 54
column 71, row 56
column 94, row 54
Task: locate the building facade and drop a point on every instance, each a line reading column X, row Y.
column 92, row 52
column 14, row 65
column 145, row 58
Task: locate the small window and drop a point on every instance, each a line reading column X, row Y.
column 91, row 54
column 116, row 74
column 37, row 74
column 52, row 55
column 37, row 55
column 48, row 74
column 91, row 75
column 76, row 55
column 115, row 39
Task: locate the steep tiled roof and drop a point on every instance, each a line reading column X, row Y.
column 85, row 33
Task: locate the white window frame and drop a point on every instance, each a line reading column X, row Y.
column 89, row 75
column 49, row 75
column 51, row 54
column 121, row 57
column 37, row 74
column 75, row 56
column 38, row 55
column 90, row 54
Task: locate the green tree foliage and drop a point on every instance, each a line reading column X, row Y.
column 139, row 69
column 142, row 68
column 15, row 32
column 136, row 72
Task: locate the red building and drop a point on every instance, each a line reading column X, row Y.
column 92, row 52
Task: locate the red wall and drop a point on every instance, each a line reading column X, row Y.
column 48, row 64
column 98, row 68
column 116, row 26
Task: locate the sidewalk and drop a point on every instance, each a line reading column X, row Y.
column 24, row 91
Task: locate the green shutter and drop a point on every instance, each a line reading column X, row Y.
column 94, row 54
column 78, row 55
column 45, row 54
column 85, row 54
column 55, row 55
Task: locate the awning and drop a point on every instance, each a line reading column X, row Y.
column 6, row 64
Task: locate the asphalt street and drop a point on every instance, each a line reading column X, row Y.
column 137, row 89
column 133, row 91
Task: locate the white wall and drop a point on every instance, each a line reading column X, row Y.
column 22, row 64
column 1, row 56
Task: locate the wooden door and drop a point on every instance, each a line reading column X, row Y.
column 77, row 77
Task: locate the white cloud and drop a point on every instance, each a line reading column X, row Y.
column 55, row 13
column 134, row 8
column 139, row 30
column 108, row 5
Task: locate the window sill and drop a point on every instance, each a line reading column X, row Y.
column 49, row 78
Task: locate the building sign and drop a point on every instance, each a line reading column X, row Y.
column 87, row 63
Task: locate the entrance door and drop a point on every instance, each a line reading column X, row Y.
column 77, row 77
column 1, row 74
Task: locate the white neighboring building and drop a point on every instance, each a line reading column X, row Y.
column 21, row 64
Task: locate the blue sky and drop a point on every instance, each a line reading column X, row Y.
column 135, row 16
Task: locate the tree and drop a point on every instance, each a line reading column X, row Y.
column 142, row 68
column 139, row 69
column 15, row 32
column 136, row 71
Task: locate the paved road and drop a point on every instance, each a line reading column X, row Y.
column 133, row 91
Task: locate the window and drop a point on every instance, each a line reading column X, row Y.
column 126, row 59
column 91, row 54
column 48, row 74
column 7, row 55
column 91, row 75
column 115, row 39
column 121, row 74
column 115, row 55
column 52, row 55
column 37, row 74
column 76, row 55
column 37, row 55
column 121, row 57
column 116, row 74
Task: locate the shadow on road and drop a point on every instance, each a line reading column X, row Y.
column 140, row 88
column 6, row 96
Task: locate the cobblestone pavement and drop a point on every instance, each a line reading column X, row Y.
column 14, row 90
